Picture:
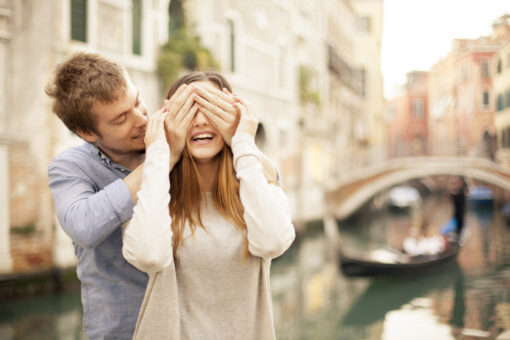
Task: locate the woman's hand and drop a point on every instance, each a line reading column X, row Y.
column 248, row 121
column 218, row 107
column 181, row 110
column 155, row 129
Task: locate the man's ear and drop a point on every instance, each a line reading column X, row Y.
column 89, row 136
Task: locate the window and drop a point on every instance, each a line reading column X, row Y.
column 485, row 98
column 282, row 62
column 484, row 66
column 79, row 20
column 363, row 24
column 500, row 102
column 284, row 138
column 508, row 98
column 499, row 66
column 137, row 27
column 417, row 108
column 176, row 17
column 232, row 45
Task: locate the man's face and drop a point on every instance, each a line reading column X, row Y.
column 120, row 125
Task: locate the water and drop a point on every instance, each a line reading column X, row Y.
column 465, row 299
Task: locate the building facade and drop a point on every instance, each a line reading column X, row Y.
column 501, row 69
column 299, row 62
column 408, row 116
column 35, row 36
column 315, row 80
column 462, row 99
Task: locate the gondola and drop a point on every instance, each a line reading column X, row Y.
column 385, row 261
column 395, row 262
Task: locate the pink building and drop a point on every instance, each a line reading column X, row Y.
column 461, row 97
column 408, row 116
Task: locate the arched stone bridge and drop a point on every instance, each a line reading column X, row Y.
column 349, row 194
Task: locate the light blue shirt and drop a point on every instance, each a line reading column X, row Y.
column 92, row 202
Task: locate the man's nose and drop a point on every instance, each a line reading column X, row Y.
column 140, row 117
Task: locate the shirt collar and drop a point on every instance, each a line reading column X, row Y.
column 104, row 159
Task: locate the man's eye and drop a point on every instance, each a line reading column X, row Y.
column 121, row 119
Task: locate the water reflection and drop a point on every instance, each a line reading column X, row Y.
column 464, row 299
column 47, row 317
column 469, row 298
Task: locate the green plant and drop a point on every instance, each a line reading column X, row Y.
column 307, row 95
column 24, row 230
column 183, row 52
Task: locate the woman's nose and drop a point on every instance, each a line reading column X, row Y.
column 200, row 119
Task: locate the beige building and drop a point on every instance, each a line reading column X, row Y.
column 501, row 69
column 313, row 70
column 34, row 37
column 261, row 47
column 367, row 57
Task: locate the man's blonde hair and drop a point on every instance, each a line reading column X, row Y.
column 79, row 82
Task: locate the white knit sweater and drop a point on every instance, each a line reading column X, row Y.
column 207, row 291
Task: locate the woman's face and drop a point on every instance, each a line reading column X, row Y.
column 204, row 141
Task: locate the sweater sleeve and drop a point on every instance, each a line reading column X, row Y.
column 147, row 237
column 266, row 207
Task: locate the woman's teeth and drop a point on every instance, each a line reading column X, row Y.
column 203, row 136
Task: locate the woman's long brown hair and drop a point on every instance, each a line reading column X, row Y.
column 186, row 186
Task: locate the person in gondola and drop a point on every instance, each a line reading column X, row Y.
column 458, row 198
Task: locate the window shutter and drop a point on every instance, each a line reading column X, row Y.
column 79, row 20
column 137, row 27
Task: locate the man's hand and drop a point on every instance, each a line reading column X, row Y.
column 218, row 107
column 248, row 121
column 181, row 110
column 155, row 129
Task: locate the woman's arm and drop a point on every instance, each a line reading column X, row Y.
column 147, row 237
column 266, row 207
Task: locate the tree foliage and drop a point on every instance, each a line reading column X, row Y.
column 307, row 94
column 183, row 52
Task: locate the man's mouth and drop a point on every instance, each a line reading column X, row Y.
column 142, row 135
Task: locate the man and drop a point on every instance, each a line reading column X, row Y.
column 94, row 185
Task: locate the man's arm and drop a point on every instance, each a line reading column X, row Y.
column 88, row 215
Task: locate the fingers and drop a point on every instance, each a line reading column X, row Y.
column 217, row 98
column 213, row 109
column 211, row 116
column 179, row 99
column 155, row 127
column 178, row 92
column 186, row 122
column 185, row 109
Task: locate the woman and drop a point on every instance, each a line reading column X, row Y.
column 206, row 237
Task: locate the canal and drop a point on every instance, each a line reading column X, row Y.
column 465, row 299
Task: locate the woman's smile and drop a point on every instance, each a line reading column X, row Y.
column 203, row 137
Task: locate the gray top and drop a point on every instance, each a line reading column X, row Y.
column 207, row 291
column 92, row 202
